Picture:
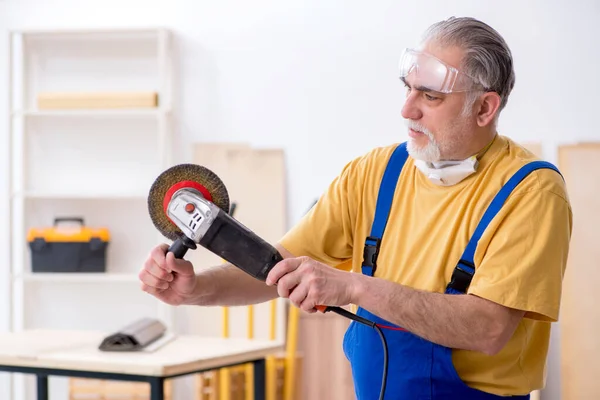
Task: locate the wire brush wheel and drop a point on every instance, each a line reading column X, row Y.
column 183, row 176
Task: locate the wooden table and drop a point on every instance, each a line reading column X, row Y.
column 75, row 353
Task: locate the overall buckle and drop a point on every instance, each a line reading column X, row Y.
column 461, row 277
column 371, row 251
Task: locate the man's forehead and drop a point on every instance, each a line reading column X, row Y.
column 433, row 67
column 450, row 55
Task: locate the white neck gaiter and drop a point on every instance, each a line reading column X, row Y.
column 448, row 173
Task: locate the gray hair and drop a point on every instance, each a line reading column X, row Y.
column 487, row 57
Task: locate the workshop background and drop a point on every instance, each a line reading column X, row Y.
column 297, row 87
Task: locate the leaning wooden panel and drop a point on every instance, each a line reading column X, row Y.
column 255, row 179
column 258, row 185
column 535, row 148
column 326, row 371
column 207, row 320
column 260, row 190
column 580, row 310
column 216, row 157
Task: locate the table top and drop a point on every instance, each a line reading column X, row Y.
column 78, row 350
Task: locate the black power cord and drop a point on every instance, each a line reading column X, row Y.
column 364, row 321
column 385, row 360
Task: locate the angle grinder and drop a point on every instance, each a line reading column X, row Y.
column 189, row 204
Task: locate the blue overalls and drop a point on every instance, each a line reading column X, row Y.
column 417, row 368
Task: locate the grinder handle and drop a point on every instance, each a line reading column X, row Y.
column 181, row 246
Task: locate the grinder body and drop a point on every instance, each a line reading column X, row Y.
column 203, row 223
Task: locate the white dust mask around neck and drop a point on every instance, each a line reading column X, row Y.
column 448, row 173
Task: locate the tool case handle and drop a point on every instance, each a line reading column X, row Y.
column 68, row 219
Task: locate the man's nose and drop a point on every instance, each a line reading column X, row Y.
column 411, row 110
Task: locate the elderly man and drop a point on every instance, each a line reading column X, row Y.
column 458, row 239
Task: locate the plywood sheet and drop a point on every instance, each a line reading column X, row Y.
column 259, row 191
column 326, row 371
column 580, row 311
column 216, row 157
column 255, row 181
column 97, row 100
column 535, row 148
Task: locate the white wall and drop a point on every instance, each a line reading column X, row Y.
column 318, row 78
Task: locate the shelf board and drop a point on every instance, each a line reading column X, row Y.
column 106, row 31
column 99, row 113
column 80, row 196
column 76, row 277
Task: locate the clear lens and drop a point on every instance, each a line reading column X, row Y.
column 424, row 71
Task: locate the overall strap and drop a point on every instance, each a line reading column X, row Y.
column 465, row 269
column 384, row 204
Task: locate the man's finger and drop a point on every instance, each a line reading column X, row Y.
column 288, row 283
column 299, row 294
column 282, row 268
column 308, row 305
column 158, row 272
column 150, row 290
column 152, row 281
column 158, row 255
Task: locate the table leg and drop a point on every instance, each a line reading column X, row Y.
column 259, row 379
column 42, row 387
column 157, row 388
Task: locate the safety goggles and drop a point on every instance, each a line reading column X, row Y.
column 427, row 72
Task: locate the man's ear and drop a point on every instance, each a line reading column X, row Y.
column 489, row 106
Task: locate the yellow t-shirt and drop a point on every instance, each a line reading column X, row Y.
column 520, row 259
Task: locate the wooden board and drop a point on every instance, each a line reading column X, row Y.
column 580, row 310
column 260, row 191
column 255, row 180
column 535, row 148
column 107, row 100
column 216, row 157
column 326, row 371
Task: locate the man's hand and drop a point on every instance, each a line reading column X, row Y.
column 175, row 282
column 308, row 283
column 171, row 280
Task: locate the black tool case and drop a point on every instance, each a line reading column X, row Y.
column 60, row 249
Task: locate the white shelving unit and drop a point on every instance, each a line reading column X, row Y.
column 94, row 164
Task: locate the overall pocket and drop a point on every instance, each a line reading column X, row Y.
column 349, row 338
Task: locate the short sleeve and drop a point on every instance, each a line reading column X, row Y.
column 521, row 258
column 326, row 232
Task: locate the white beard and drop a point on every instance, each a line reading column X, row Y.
column 429, row 153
